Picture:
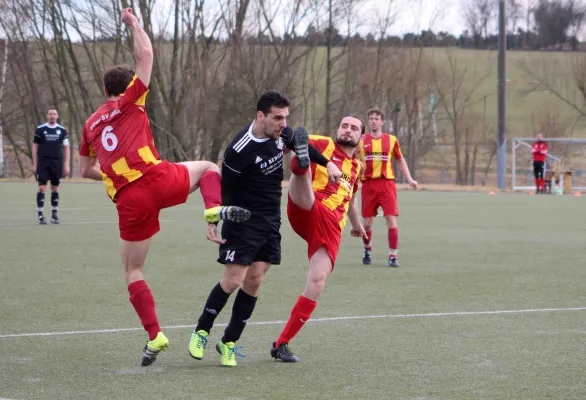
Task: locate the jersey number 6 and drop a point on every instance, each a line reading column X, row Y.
column 109, row 140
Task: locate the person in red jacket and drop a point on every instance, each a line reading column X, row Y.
column 539, row 151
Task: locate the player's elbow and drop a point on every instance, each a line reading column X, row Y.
column 144, row 54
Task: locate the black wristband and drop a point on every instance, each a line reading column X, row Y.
column 317, row 157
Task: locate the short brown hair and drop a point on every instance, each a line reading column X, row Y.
column 376, row 111
column 117, row 79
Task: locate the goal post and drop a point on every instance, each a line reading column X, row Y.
column 567, row 155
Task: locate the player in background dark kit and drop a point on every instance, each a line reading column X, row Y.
column 539, row 151
column 252, row 175
column 50, row 160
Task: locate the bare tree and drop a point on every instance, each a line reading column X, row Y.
column 456, row 87
column 2, row 84
column 514, row 14
column 529, row 10
column 478, row 15
column 549, row 75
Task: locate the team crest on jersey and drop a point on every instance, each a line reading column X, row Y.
column 280, row 144
column 58, row 131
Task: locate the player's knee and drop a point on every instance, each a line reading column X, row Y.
column 42, row 188
column 230, row 283
column 198, row 168
column 134, row 273
column 252, row 284
column 316, row 282
column 212, row 167
column 314, row 287
column 367, row 227
column 391, row 222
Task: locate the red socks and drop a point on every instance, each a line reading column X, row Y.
column 367, row 240
column 210, row 186
column 540, row 183
column 393, row 238
column 300, row 314
column 296, row 169
column 144, row 304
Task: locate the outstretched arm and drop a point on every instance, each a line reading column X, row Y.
column 315, row 156
column 143, row 49
column 233, row 164
column 405, row 170
column 354, row 217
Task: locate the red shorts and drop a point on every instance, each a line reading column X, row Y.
column 379, row 193
column 318, row 227
column 139, row 203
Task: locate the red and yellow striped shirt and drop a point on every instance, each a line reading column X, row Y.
column 335, row 196
column 119, row 135
column 376, row 155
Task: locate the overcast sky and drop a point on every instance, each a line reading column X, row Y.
column 410, row 15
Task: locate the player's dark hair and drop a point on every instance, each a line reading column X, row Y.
column 377, row 111
column 270, row 99
column 363, row 128
column 117, row 79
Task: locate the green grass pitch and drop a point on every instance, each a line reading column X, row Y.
column 417, row 332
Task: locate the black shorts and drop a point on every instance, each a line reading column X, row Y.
column 538, row 169
column 49, row 169
column 251, row 241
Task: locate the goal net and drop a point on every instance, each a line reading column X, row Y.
column 563, row 155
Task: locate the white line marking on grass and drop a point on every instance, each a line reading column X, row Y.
column 62, row 223
column 20, row 224
column 60, row 209
column 327, row 319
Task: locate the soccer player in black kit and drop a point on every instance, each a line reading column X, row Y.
column 252, row 174
column 50, row 160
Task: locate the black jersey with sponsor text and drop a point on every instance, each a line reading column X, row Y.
column 252, row 173
column 50, row 140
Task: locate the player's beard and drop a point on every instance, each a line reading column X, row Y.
column 347, row 142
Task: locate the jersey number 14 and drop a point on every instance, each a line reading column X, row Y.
column 230, row 255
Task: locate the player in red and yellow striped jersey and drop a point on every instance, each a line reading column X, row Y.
column 376, row 151
column 317, row 209
column 117, row 148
